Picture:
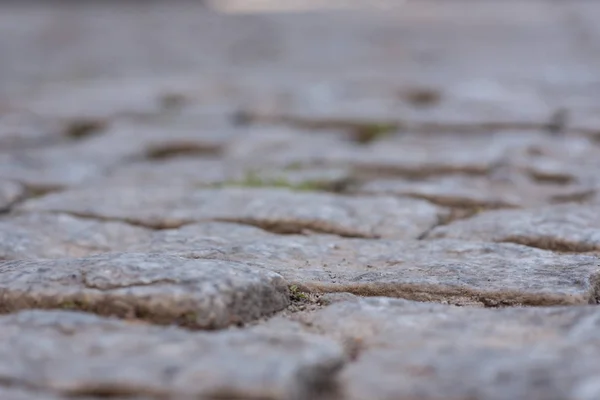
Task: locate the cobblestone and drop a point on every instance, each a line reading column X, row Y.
column 324, row 205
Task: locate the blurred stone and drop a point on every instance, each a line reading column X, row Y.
column 565, row 227
column 73, row 354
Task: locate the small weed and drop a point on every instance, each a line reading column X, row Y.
column 68, row 305
column 296, row 294
column 189, row 318
column 253, row 180
column 369, row 133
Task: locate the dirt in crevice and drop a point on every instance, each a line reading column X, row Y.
column 115, row 391
column 421, row 97
column 453, row 295
column 551, row 243
column 174, row 150
column 577, row 197
column 298, row 228
column 425, row 234
column 367, row 172
column 34, row 192
column 549, row 177
column 460, row 207
column 79, row 129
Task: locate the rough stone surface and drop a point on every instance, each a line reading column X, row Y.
column 278, row 210
column 403, row 349
column 79, row 355
column 451, row 271
column 565, row 227
column 164, row 289
column 35, row 235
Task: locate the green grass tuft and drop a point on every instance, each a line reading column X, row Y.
column 296, row 294
column 253, row 180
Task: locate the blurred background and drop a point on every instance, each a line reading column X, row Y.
column 519, row 47
column 196, row 71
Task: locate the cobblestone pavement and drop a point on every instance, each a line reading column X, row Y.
column 342, row 205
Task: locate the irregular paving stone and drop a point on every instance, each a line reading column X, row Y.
column 407, row 350
column 473, row 192
column 197, row 172
column 459, row 272
column 160, row 288
column 74, row 354
column 564, row 227
column 37, row 235
column 10, row 192
column 279, row 210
